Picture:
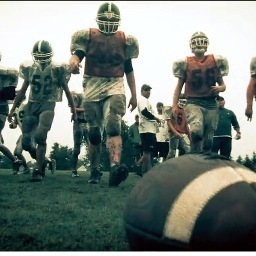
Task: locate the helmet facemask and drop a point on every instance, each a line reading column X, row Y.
column 199, row 43
column 108, row 18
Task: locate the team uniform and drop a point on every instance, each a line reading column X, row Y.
column 101, row 80
column 179, row 123
column 46, row 80
column 106, row 50
column 46, row 90
column 200, row 78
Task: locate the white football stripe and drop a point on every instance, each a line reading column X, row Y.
column 193, row 198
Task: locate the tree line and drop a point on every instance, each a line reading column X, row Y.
column 63, row 155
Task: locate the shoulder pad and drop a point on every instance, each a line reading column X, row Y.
column 11, row 73
column 222, row 64
column 79, row 41
column 24, row 69
column 61, row 71
column 179, row 68
column 132, row 47
column 253, row 66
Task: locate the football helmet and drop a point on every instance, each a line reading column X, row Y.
column 199, row 42
column 108, row 18
column 42, row 52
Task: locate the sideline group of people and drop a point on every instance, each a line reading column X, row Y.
column 190, row 125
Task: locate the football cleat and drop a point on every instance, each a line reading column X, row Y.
column 118, row 174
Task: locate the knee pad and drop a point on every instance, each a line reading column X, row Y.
column 94, row 135
column 113, row 126
column 40, row 138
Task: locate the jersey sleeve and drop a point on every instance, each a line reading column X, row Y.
column 222, row 64
column 61, row 74
column 79, row 41
column 253, row 66
column 179, row 68
column 132, row 47
column 24, row 70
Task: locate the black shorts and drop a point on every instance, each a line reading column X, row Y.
column 148, row 141
column 162, row 149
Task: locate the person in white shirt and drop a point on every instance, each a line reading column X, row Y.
column 147, row 127
column 162, row 135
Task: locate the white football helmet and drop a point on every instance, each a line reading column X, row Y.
column 199, row 42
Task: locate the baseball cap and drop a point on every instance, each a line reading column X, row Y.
column 145, row 87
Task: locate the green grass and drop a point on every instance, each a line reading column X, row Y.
column 62, row 213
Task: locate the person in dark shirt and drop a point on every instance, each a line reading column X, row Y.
column 222, row 139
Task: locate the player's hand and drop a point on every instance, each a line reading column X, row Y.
column 10, row 117
column 132, row 103
column 248, row 113
column 74, row 66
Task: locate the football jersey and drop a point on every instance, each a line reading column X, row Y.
column 97, row 88
column 45, row 85
column 199, row 76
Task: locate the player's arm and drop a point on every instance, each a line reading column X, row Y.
column 70, row 101
column 131, row 84
column 251, row 89
column 131, row 52
column 179, row 71
column 79, row 41
column 223, row 69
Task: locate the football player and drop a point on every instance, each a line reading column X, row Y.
column 179, row 132
column 79, row 131
column 8, row 83
column 203, row 78
column 108, row 54
column 47, row 81
column 251, row 90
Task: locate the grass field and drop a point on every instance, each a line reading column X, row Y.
column 62, row 213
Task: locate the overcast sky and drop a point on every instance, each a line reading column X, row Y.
column 163, row 30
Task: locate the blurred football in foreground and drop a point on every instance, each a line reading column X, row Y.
column 193, row 202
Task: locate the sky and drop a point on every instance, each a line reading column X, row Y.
column 163, row 30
